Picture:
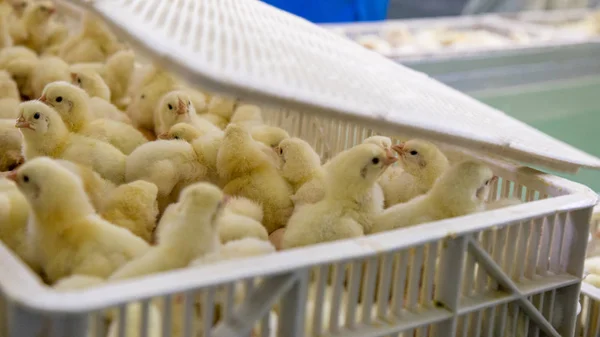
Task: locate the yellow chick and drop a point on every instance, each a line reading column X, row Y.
column 19, row 61
column 68, row 237
column 342, row 214
column 193, row 233
column 181, row 131
column 176, row 107
column 422, row 163
column 45, row 134
column 502, row 203
column 133, row 206
column 241, row 219
column 219, row 110
column 271, row 136
column 8, row 87
column 6, row 39
column 94, row 43
column 234, row 250
column 73, row 105
column 247, row 115
column 47, row 70
column 170, row 165
column 96, row 188
column 10, row 145
column 91, row 82
column 461, row 190
column 147, row 95
column 36, row 20
column 14, row 215
column 17, row 29
column 248, row 172
column 301, row 163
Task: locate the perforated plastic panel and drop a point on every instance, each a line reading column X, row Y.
column 251, row 50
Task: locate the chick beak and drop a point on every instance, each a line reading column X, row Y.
column 12, row 175
column 181, row 107
column 23, row 124
column 74, row 77
column 399, row 148
column 389, row 160
column 51, row 10
column 163, row 135
column 42, row 99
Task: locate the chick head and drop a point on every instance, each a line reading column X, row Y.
column 383, row 141
column 45, row 183
column 175, row 106
column 40, row 11
column 269, row 135
column 417, row 155
column 299, row 160
column 469, row 181
column 90, row 81
column 21, row 70
column 36, row 117
column 68, row 100
column 203, row 197
column 360, row 166
column 181, row 131
column 19, row 6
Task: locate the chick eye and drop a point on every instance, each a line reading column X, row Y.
column 176, row 137
column 375, row 160
column 58, row 99
column 78, row 80
column 280, row 151
column 36, row 115
column 26, row 179
column 170, row 107
column 414, row 153
column 487, row 182
column 143, row 96
column 190, row 103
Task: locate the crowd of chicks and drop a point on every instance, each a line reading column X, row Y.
column 113, row 171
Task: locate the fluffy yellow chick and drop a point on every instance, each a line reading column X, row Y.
column 68, row 237
column 14, row 214
column 422, row 163
column 248, row 172
column 72, row 103
column 241, row 219
column 94, row 43
column 10, row 145
column 502, row 203
column 219, row 110
column 238, row 249
column 176, row 107
column 90, row 81
column 146, row 97
column 247, row 115
column 49, row 69
column 301, row 163
column 17, row 29
column 96, row 188
column 45, row 134
column 19, row 61
column 342, row 214
column 36, row 20
column 193, row 233
column 170, row 165
column 181, row 131
column 8, row 87
column 133, row 206
column 271, row 136
column 461, row 190
column 9, row 108
column 6, row 39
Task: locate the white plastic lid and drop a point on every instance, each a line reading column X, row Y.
column 251, row 50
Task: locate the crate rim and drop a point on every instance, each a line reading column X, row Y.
column 24, row 288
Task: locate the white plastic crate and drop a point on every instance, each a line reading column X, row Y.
column 589, row 320
column 500, row 273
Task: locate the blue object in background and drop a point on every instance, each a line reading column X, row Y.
column 321, row 11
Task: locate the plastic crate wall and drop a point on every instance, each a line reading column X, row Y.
column 589, row 320
column 457, row 277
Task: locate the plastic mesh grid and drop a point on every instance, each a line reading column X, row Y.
column 252, row 50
